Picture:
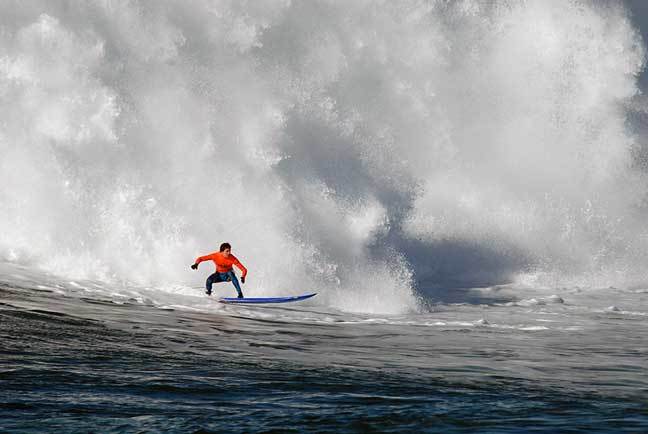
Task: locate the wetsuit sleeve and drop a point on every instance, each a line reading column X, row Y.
column 240, row 266
column 200, row 259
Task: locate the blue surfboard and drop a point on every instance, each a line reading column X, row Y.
column 265, row 300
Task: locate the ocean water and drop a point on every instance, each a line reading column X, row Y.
column 463, row 183
column 563, row 362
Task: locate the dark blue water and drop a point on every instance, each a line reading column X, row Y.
column 71, row 364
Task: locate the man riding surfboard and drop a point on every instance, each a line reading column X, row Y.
column 224, row 260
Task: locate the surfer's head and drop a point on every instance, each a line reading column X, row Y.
column 226, row 249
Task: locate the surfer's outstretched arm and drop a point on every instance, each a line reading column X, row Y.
column 200, row 259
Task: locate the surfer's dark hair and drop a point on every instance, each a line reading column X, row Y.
column 225, row 246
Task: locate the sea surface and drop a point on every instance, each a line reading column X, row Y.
column 463, row 183
column 76, row 357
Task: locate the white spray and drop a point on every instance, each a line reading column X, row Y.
column 341, row 147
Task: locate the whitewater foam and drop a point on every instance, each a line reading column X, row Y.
column 365, row 151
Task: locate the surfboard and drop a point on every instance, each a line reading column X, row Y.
column 265, row 300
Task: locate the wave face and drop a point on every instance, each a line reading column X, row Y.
column 359, row 149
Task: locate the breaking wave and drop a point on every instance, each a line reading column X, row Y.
column 370, row 151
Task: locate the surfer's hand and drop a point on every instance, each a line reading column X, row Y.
column 242, row 279
column 194, row 266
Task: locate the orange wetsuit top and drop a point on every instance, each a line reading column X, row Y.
column 223, row 264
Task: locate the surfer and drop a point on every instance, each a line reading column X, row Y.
column 224, row 260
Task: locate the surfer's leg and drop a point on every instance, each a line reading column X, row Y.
column 214, row 278
column 231, row 276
